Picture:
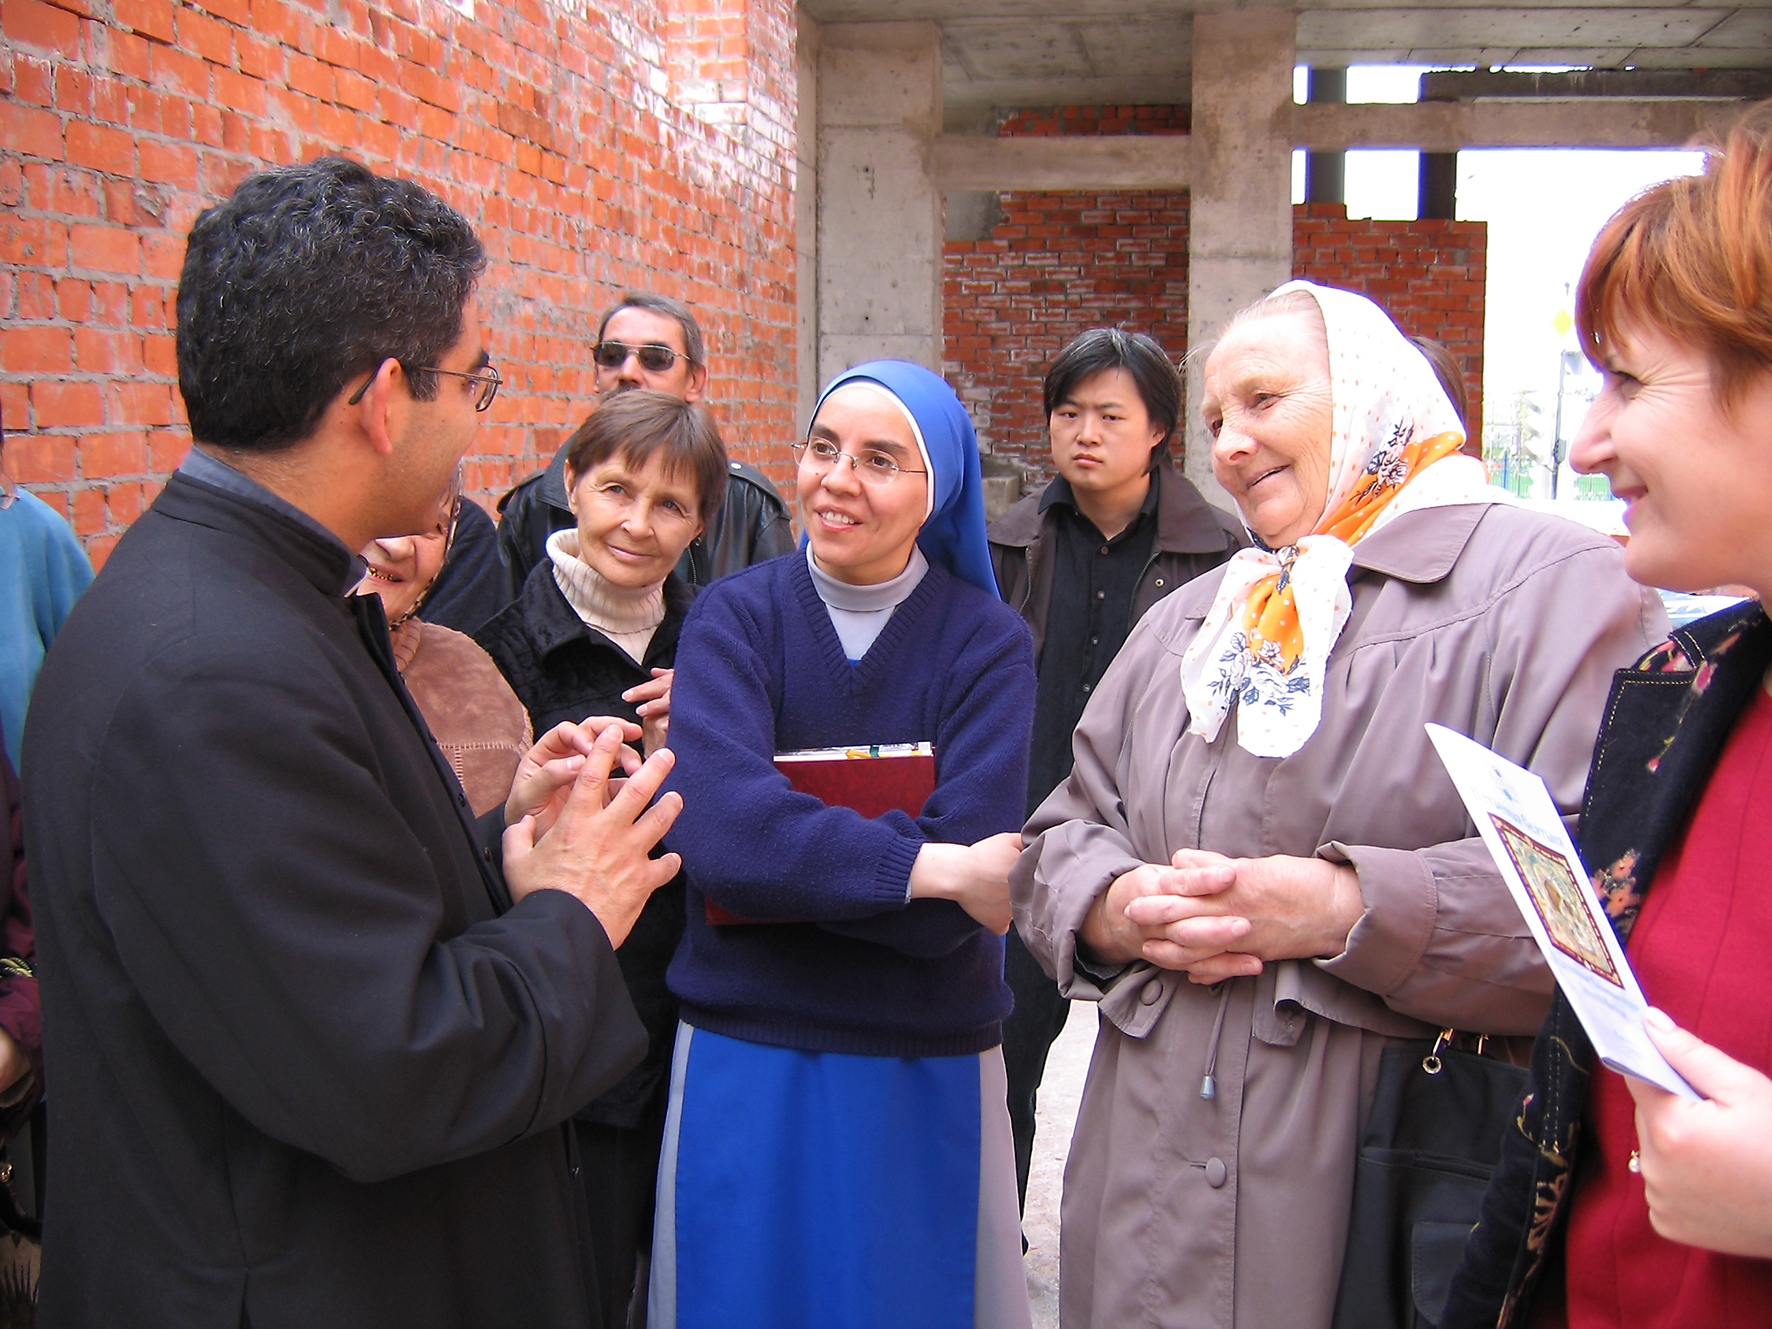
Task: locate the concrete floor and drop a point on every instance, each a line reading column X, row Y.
column 1060, row 1092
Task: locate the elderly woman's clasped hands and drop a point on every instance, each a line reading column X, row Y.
column 1213, row 917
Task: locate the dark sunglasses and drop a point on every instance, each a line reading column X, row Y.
column 653, row 358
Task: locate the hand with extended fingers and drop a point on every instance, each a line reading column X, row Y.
column 598, row 845
column 652, row 700
column 1215, row 918
column 548, row 770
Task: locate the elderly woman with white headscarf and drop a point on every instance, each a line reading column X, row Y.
column 1258, row 868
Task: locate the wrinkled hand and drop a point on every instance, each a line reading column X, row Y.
column 1296, row 908
column 973, row 876
column 1707, row 1166
column 1215, row 918
column 1114, row 937
column 652, row 700
column 598, row 848
column 546, row 774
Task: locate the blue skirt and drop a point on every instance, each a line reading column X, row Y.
column 838, row 1192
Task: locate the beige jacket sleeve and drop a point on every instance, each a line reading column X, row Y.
column 1079, row 839
column 1516, row 648
column 1442, row 939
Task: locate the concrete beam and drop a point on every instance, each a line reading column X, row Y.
column 1451, row 126
column 1155, row 161
column 1469, row 85
column 1169, row 162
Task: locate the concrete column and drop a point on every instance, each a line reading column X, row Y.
column 879, row 224
column 1240, row 226
column 1325, row 173
column 1438, row 196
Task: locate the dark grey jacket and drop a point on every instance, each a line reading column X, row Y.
column 748, row 527
column 310, row 1064
column 1193, row 537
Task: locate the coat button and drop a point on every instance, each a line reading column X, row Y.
column 1216, row 1172
column 1152, row 992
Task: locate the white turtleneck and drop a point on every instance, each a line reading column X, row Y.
column 859, row 613
column 627, row 618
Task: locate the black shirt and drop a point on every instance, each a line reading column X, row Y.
column 1093, row 582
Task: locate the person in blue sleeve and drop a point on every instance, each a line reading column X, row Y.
column 42, row 572
column 837, row 1148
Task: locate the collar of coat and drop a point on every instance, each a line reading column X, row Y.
column 1667, row 720
column 553, row 623
column 1186, row 522
column 1420, row 548
column 316, row 554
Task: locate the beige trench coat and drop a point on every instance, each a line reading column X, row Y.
column 1178, row 1211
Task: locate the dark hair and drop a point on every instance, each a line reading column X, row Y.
column 1153, row 373
column 1692, row 257
column 1446, row 369
column 693, row 345
column 638, row 423
column 307, row 277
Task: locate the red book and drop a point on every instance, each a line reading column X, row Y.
column 871, row 779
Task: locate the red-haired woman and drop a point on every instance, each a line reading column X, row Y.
column 1617, row 1204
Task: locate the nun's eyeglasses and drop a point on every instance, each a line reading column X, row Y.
column 817, row 455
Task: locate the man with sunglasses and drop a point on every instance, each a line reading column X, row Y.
column 650, row 341
column 314, row 1030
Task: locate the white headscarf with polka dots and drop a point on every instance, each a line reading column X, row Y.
column 1383, row 397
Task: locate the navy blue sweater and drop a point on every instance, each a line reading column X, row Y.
column 760, row 671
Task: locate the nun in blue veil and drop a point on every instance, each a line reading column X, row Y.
column 837, row 1151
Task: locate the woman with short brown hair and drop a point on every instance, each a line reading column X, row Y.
column 594, row 633
column 1615, row 1203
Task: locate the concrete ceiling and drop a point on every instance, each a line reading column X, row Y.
column 1005, row 53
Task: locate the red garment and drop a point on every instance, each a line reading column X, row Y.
column 1700, row 949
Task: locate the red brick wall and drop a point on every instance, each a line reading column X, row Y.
column 1055, row 265
column 595, row 147
column 1430, row 277
column 1058, row 263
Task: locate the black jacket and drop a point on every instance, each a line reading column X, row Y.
column 748, row 527
column 1667, row 721
column 310, row 1065
column 563, row 670
column 1193, row 537
column 470, row 586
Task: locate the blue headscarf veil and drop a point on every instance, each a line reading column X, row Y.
column 953, row 533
